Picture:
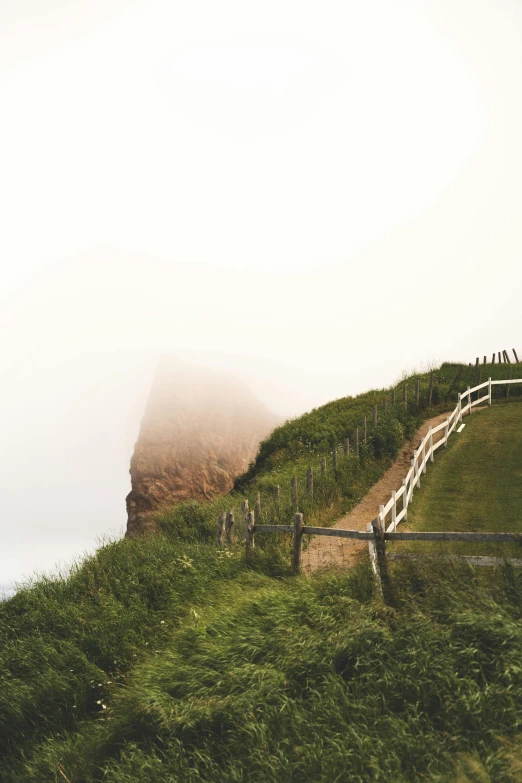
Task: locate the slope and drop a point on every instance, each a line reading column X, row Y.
column 167, row 659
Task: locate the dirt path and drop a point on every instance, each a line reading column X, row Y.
column 328, row 551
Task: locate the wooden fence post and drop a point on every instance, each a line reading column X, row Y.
column 484, row 360
column 417, row 392
column 454, row 382
column 375, row 415
column 230, row 527
column 372, row 551
column 310, row 482
column 347, row 447
column 430, row 390
column 257, row 507
column 364, row 430
column 382, row 562
column 499, row 359
column 298, row 540
column 220, row 538
column 250, row 526
column 493, row 359
column 515, row 354
column 357, row 441
column 490, row 401
column 506, row 357
column 244, row 511
column 334, row 456
column 293, row 486
column 476, row 362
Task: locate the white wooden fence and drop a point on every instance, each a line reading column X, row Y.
column 389, row 514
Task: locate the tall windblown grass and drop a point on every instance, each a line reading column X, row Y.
column 313, row 680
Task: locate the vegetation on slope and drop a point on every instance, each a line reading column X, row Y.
column 314, row 432
column 167, row 659
column 65, row 644
column 310, row 679
column 302, row 443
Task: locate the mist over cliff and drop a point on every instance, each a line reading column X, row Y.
column 200, row 430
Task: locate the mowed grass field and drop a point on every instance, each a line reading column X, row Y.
column 476, row 483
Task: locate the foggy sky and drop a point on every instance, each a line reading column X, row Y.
column 313, row 197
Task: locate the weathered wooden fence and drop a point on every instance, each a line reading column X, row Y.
column 376, row 536
column 503, row 356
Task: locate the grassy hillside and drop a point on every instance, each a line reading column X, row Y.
column 166, row 659
column 311, row 680
column 303, row 442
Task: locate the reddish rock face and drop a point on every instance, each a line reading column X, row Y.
column 200, row 430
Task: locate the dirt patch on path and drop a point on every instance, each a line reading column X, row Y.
column 331, row 552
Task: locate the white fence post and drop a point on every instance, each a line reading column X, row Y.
column 431, row 445
column 469, row 400
column 446, row 433
column 405, row 499
column 489, row 392
column 394, row 510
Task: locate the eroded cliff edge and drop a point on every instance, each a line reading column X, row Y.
column 199, row 431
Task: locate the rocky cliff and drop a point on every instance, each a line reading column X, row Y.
column 199, row 431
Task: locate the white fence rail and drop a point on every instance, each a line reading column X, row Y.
column 389, row 514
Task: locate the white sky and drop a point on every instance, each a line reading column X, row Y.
column 313, row 196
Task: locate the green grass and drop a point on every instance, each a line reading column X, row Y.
column 476, row 483
column 167, row 660
column 64, row 643
column 302, row 443
column 314, row 432
column 312, row 680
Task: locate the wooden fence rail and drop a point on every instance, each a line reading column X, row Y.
column 377, row 536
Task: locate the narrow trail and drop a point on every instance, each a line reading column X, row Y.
column 330, row 552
